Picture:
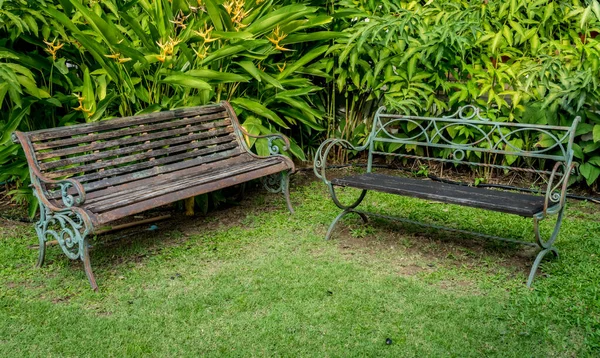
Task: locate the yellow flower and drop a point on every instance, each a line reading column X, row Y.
column 277, row 36
column 52, row 48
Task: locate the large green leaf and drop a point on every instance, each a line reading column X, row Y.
column 260, row 110
column 186, row 81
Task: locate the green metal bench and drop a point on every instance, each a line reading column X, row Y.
column 460, row 139
column 91, row 174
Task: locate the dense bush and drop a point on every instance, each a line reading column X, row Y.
column 291, row 65
column 520, row 60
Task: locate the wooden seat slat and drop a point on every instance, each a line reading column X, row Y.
column 158, row 175
column 187, row 192
column 116, row 123
column 135, row 158
column 176, row 183
column 525, row 205
column 165, row 168
column 145, row 155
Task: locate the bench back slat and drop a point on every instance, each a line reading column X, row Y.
column 120, row 150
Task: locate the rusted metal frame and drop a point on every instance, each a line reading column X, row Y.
column 147, row 143
column 455, row 161
column 85, row 128
column 274, row 151
column 39, row 180
column 142, row 156
column 478, row 122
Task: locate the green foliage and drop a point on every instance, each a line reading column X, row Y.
column 519, row 60
column 69, row 61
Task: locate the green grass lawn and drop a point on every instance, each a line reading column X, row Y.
column 253, row 280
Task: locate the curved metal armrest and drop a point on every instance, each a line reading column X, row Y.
column 273, row 148
column 553, row 196
column 320, row 163
column 65, row 184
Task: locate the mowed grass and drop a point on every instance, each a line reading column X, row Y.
column 253, row 280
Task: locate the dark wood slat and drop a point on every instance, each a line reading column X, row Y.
column 135, row 148
column 161, row 174
column 185, row 193
column 225, row 149
column 117, row 192
column 135, row 158
column 112, row 124
column 513, row 203
column 141, row 193
column 129, row 131
column 105, row 186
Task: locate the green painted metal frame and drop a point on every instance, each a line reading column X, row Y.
column 431, row 130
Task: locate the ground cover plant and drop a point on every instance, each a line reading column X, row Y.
column 247, row 281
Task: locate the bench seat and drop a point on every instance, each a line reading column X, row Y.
column 525, row 205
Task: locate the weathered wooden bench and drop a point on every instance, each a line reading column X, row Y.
column 463, row 139
column 87, row 175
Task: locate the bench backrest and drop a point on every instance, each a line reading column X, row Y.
column 465, row 136
column 115, row 151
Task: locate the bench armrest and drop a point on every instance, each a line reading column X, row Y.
column 556, row 192
column 320, row 163
column 273, row 148
column 39, row 182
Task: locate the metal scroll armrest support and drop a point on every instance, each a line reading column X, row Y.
column 556, row 192
column 39, row 182
column 320, row 163
column 273, row 148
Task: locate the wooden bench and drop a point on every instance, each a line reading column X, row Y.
column 87, row 175
column 463, row 138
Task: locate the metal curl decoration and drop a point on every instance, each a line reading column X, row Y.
column 273, row 148
column 461, row 113
column 458, row 154
column 273, row 183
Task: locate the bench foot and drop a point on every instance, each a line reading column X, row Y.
column 337, row 218
column 537, row 262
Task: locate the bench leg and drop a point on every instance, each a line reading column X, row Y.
column 70, row 228
column 545, row 246
column 337, row 218
column 88, row 266
column 279, row 184
column 285, row 188
column 40, row 229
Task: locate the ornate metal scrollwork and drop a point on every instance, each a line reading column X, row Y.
column 273, row 148
column 273, row 183
column 67, row 227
